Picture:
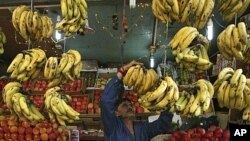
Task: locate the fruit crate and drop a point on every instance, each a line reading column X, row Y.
column 234, row 116
column 103, row 77
column 40, row 86
column 76, row 87
column 89, row 78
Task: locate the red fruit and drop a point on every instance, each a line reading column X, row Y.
column 36, row 138
column 48, row 130
column 6, row 129
column 209, row 134
column 90, row 105
column 21, row 130
column 190, row 131
column 139, row 109
column 176, row 134
column 43, row 130
column 204, row 139
column 1, row 135
column 226, row 134
column 212, row 127
column 52, row 136
column 28, row 137
column 26, row 124
column 7, row 136
column 201, row 131
column 44, row 137
column 224, row 139
column 13, row 129
column 54, row 125
column 29, row 130
column 196, row 139
column 36, row 131
column 13, row 136
column 98, row 110
column 1, row 130
column 185, row 137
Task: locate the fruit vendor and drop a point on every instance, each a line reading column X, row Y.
column 118, row 114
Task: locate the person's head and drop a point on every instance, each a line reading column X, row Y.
column 124, row 108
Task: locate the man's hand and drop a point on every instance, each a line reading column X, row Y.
column 123, row 70
column 132, row 63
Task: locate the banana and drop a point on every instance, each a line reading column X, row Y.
column 177, row 37
column 195, row 104
column 206, row 104
column 64, row 8
column 134, row 76
column 239, row 101
column 202, row 91
column 33, row 60
column 76, row 55
column 159, row 90
column 60, row 120
column 22, row 25
column 186, row 41
column 36, row 112
column 220, row 93
column 36, row 74
column 241, row 11
column 8, row 96
column 53, row 67
column 47, row 67
column 16, row 16
column 209, row 86
column 181, row 103
column 242, row 32
column 175, row 7
column 24, row 106
column 56, row 81
column 69, row 64
column 198, row 111
column 247, row 94
column 16, row 61
column 139, row 79
column 199, row 9
column 226, row 97
column 236, row 77
column 241, row 85
column 52, row 90
column 226, row 70
column 77, row 69
column 246, row 113
column 71, row 113
column 148, row 83
column 57, row 102
column 186, row 11
column 27, row 60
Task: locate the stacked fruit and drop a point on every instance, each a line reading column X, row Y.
column 40, row 85
column 190, row 49
column 230, row 9
column 214, row 133
column 234, row 42
column 31, row 25
column 232, row 89
column 195, row 102
column 75, row 14
column 67, row 70
column 75, row 86
column 159, row 98
column 57, row 108
column 80, row 104
column 13, row 129
column 183, row 11
column 27, row 65
column 141, row 79
column 27, row 85
column 133, row 97
column 3, row 40
column 18, row 103
column 37, row 100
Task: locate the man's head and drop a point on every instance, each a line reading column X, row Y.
column 124, row 108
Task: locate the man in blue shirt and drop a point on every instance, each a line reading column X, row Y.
column 118, row 115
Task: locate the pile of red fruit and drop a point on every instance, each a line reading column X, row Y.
column 80, row 104
column 131, row 95
column 40, row 85
column 214, row 133
column 37, row 100
column 75, row 86
column 12, row 128
column 27, row 85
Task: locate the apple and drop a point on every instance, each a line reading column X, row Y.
column 90, row 105
column 139, row 109
column 226, row 134
column 49, row 130
column 208, row 134
column 201, row 131
column 26, row 124
column 1, row 135
column 13, row 129
column 21, row 130
column 13, row 136
column 44, row 137
column 212, row 127
column 29, row 130
column 36, row 138
column 7, row 136
column 28, row 137
column 98, row 110
column 36, row 130
column 42, row 130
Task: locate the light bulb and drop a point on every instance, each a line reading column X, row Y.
column 152, row 61
column 210, row 29
column 132, row 3
column 58, row 35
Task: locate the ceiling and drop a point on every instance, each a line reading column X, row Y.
column 105, row 45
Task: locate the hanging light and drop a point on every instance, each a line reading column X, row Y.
column 132, row 3
column 58, row 35
column 152, row 58
column 210, row 29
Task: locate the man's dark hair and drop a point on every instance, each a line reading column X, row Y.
column 119, row 101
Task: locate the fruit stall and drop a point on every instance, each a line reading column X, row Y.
column 57, row 57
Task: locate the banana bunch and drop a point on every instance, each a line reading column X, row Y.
column 230, row 9
column 232, row 89
column 65, row 70
column 196, row 101
column 246, row 114
column 19, row 104
column 165, row 93
column 57, row 108
column 3, row 40
column 140, row 79
column 190, row 49
column 30, row 25
column 27, row 65
column 234, row 42
column 75, row 14
column 183, row 11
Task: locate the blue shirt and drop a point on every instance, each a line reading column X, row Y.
column 114, row 127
